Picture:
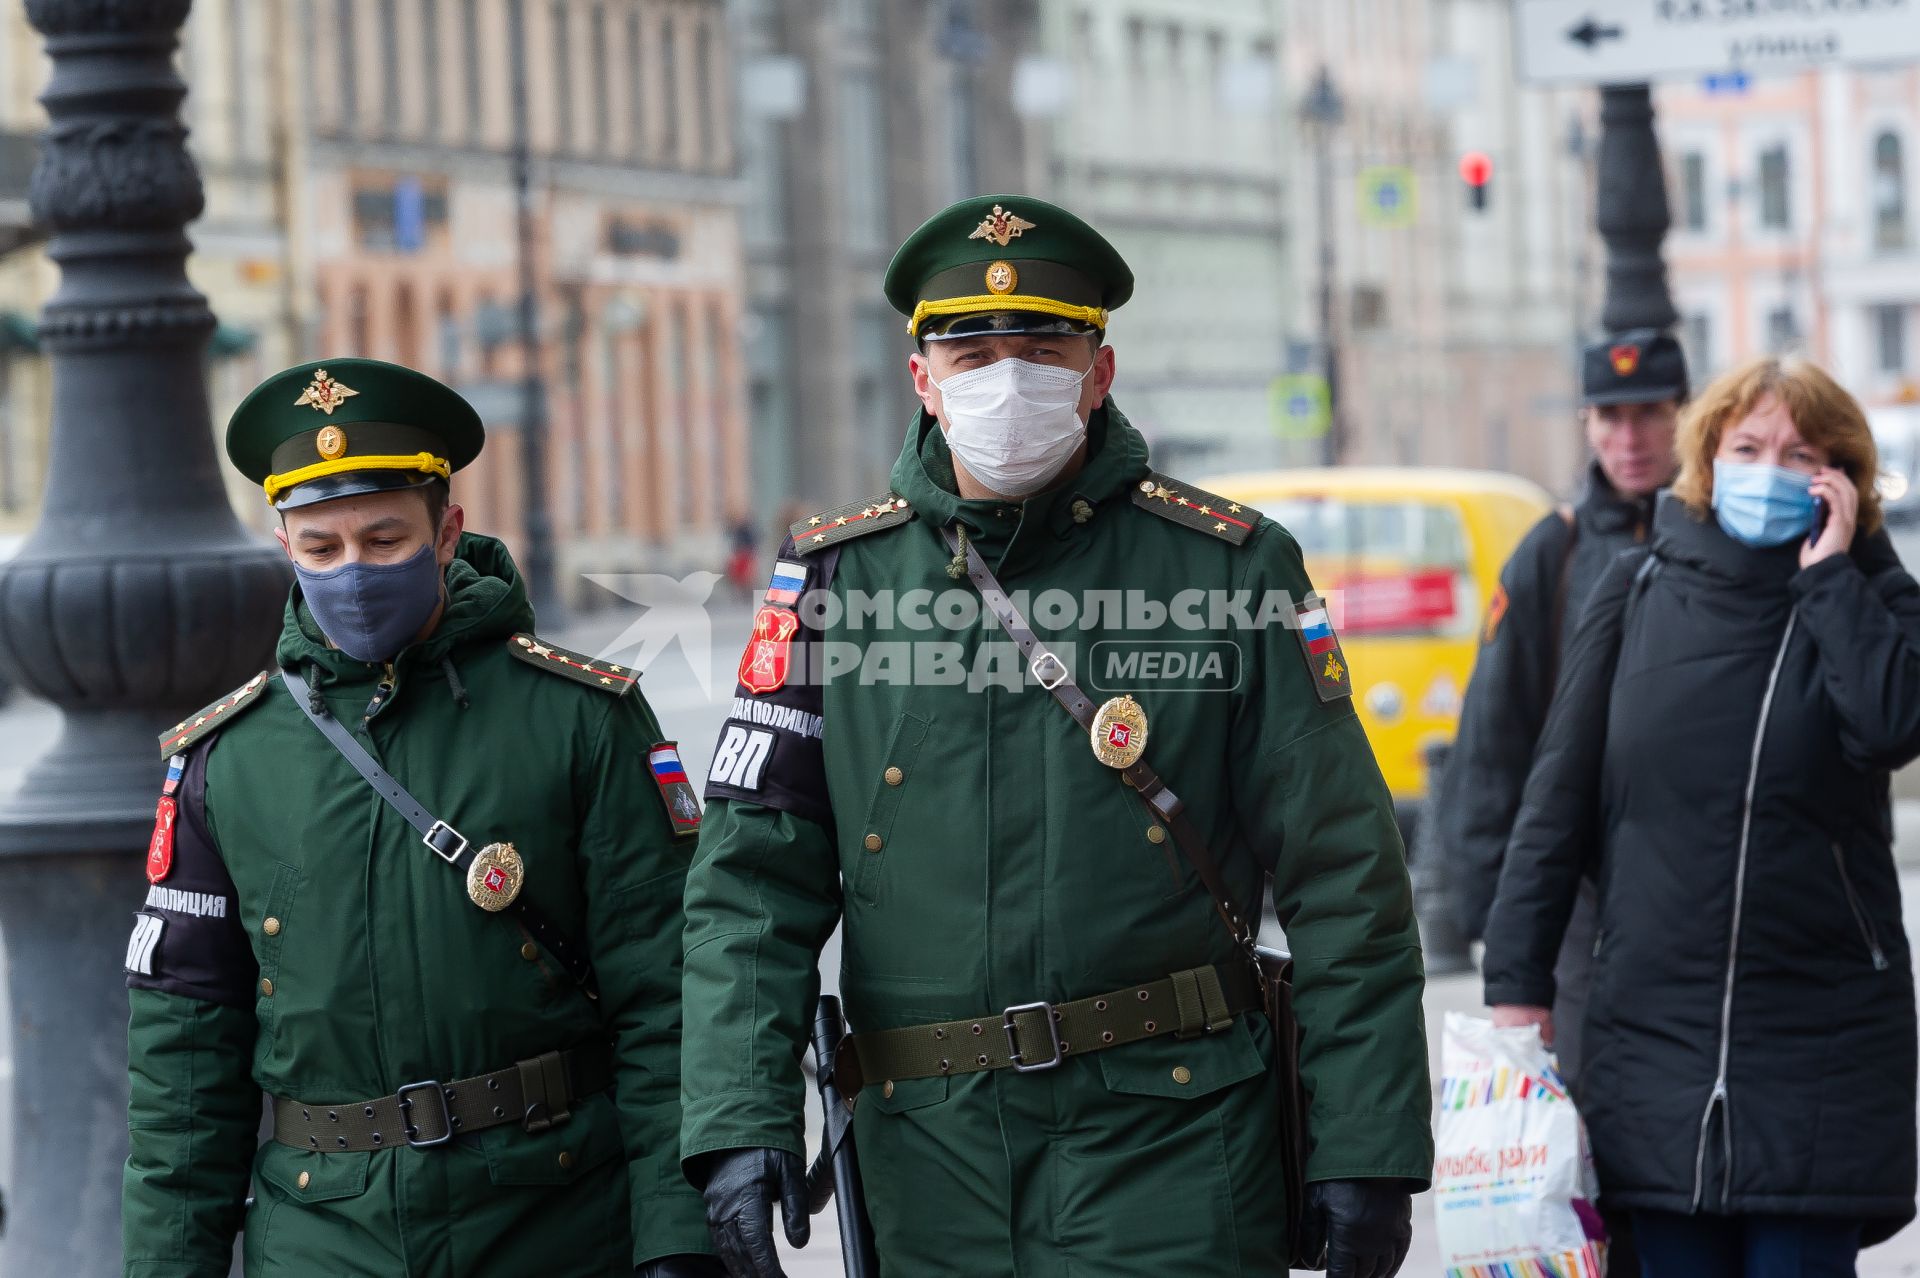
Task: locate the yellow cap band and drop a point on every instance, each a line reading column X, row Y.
column 425, row 463
column 984, row 303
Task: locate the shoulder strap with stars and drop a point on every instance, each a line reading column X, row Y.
column 843, row 523
column 208, row 719
column 1196, row 508
column 607, row 677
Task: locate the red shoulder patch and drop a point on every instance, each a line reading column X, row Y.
column 160, row 846
column 1496, row 612
column 769, row 655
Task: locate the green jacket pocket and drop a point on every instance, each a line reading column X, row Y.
column 907, row 1094
column 309, row 1177
column 560, row 1155
column 1181, row 1069
column 903, row 751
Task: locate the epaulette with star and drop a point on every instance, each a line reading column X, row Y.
column 1196, row 508
column 604, row 675
column 843, row 523
column 208, row 719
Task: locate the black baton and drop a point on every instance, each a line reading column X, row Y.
column 836, row 1172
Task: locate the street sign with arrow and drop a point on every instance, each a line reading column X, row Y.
column 1634, row 41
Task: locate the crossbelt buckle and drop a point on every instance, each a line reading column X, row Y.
column 1020, row 1065
column 447, row 843
column 406, row 1114
column 1044, row 663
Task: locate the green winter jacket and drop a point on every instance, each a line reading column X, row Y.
column 302, row 942
column 978, row 856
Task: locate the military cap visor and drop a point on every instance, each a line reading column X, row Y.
column 1641, row 366
column 1006, row 255
column 342, row 427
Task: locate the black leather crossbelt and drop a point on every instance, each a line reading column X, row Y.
column 537, row 1094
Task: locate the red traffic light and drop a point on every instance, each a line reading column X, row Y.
column 1476, row 168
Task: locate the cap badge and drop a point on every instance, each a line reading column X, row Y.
column 330, row 443
column 1626, row 360
column 1000, row 226
column 324, row 393
column 1002, row 278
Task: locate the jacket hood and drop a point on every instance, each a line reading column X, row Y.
column 923, row 473
column 486, row 600
column 1602, row 506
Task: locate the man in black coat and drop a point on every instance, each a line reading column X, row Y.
column 1632, row 386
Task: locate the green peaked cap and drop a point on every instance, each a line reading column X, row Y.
column 340, row 427
column 1006, row 264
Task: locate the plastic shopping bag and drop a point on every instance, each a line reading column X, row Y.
column 1513, row 1182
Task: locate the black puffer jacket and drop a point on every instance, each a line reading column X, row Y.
column 1719, row 745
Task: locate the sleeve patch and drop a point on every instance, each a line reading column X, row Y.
column 144, row 943
column 1496, row 613
column 741, row 757
column 683, row 805
column 1321, row 647
column 768, row 660
column 160, row 845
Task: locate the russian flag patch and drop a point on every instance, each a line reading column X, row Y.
column 676, row 791
column 789, row 579
column 1325, row 662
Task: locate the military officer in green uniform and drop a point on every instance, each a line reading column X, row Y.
column 420, row 884
column 1058, row 1061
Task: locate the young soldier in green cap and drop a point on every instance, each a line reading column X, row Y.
column 420, row 886
column 1059, row 1062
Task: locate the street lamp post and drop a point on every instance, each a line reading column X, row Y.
column 538, row 552
column 136, row 598
column 1323, row 110
column 1632, row 213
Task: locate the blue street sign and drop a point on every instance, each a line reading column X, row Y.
column 1727, row 82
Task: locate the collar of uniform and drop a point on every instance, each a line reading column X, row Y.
column 1602, row 506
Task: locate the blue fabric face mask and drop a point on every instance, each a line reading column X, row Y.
column 1762, row 505
column 371, row 611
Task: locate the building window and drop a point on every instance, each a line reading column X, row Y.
column 430, row 58
column 670, row 88
column 1696, row 339
column 399, row 216
column 562, row 78
column 470, row 53
column 602, row 105
column 1776, row 206
column 1783, row 331
column 704, row 156
column 764, row 166
column 1889, row 193
column 862, row 119
column 1693, row 192
column 1890, row 338
column 344, row 31
column 390, row 81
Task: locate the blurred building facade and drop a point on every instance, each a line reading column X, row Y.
column 1458, row 326
column 1797, row 222
column 859, row 119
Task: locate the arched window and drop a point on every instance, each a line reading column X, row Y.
column 1889, row 192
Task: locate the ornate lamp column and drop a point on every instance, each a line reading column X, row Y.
column 1633, row 214
column 137, row 598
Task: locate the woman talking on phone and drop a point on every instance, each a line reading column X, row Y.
column 1719, row 748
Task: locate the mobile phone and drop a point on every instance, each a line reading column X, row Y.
column 1819, row 520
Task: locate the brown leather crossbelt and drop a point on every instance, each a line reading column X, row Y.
column 536, row 1093
column 1036, row 1036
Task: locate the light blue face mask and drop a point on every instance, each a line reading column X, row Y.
column 1762, row 505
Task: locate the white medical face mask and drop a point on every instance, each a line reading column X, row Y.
column 1014, row 424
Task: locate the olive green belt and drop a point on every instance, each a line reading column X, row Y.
column 536, row 1093
column 1036, row 1036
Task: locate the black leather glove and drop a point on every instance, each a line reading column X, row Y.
column 1366, row 1226
column 740, row 1186
column 683, row 1266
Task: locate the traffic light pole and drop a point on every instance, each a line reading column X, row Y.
column 1632, row 212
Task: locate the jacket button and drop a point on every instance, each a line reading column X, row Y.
column 873, row 843
column 306, row 1178
column 1182, row 1075
column 529, row 951
column 566, row 1160
column 1156, row 834
column 895, row 776
column 266, row 987
column 886, row 1089
column 271, row 927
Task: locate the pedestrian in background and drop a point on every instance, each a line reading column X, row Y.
column 1719, row 749
column 1632, row 387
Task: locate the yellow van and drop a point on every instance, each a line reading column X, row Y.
column 1407, row 559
